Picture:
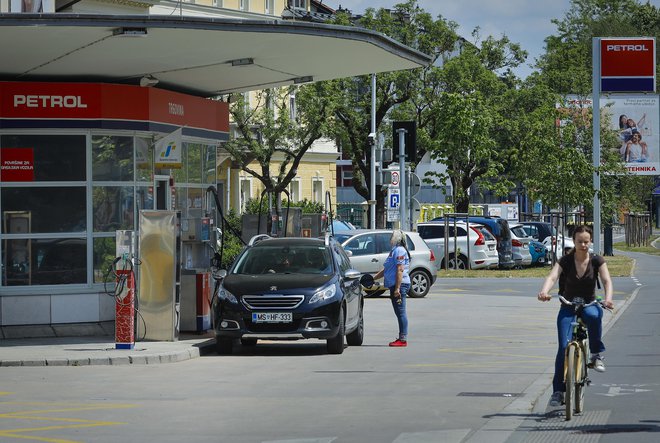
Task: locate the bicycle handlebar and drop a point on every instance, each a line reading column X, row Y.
column 568, row 303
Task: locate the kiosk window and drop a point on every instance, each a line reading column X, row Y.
column 51, row 157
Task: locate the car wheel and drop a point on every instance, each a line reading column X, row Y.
column 223, row 346
column 420, row 283
column 335, row 344
column 249, row 341
column 457, row 263
column 356, row 337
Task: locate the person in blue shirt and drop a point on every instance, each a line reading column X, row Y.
column 397, row 279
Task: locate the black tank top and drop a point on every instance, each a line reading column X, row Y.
column 570, row 285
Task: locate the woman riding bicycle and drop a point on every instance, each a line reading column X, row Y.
column 578, row 273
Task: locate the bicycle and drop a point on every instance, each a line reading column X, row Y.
column 577, row 358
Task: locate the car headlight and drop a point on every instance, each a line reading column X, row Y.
column 224, row 294
column 324, row 294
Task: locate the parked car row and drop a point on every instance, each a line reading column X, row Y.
column 450, row 244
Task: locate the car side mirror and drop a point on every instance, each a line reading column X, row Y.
column 219, row 274
column 352, row 274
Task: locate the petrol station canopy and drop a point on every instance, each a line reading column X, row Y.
column 200, row 56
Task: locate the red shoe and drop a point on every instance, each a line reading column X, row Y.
column 398, row 343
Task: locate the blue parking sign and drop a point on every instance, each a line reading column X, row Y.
column 394, row 200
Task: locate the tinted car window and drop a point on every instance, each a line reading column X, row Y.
column 431, row 231
column 486, row 233
column 519, row 231
column 342, row 259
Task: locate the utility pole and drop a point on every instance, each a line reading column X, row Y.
column 373, row 140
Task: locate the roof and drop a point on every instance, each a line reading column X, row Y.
column 203, row 56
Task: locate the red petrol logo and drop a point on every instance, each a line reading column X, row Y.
column 627, row 57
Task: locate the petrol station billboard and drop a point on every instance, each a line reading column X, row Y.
column 627, row 64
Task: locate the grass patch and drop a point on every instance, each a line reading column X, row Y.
column 618, row 265
column 643, row 249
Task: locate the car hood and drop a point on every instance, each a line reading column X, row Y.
column 273, row 283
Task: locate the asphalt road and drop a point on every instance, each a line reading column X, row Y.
column 477, row 368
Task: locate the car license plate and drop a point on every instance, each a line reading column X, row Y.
column 272, row 317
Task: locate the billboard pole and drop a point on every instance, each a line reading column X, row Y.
column 595, row 52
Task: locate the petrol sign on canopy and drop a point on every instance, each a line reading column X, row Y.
column 627, row 64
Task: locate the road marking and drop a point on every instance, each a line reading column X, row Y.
column 616, row 391
column 64, row 422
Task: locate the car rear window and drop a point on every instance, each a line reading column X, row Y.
column 486, row 233
column 519, row 231
column 431, row 231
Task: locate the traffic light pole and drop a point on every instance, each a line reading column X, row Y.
column 403, row 208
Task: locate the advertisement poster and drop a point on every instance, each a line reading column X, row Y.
column 637, row 121
column 16, row 164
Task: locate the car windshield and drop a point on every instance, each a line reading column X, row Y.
column 284, row 259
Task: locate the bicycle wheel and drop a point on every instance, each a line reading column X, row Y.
column 570, row 368
column 580, row 379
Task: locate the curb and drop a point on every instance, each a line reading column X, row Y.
column 195, row 351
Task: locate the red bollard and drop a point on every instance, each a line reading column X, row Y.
column 125, row 310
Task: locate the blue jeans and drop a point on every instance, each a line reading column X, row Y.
column 400, row 309
column 592, row 317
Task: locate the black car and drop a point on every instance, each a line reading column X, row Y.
column 289, row 289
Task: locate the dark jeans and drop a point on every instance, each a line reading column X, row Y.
column 400, row 309
column 592, row 317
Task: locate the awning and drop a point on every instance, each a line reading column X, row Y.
column 195, row 55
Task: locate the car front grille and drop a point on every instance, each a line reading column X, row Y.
column 272, row 301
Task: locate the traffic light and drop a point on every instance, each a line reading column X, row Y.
column 410, row 140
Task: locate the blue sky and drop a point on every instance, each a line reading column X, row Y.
column 524, row 21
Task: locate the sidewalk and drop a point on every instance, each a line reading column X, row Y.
column 100, row 350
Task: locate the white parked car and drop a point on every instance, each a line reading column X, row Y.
column 483, row 245
column 520, row 245
column 368, row 250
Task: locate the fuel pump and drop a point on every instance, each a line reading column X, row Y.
column 124, row 290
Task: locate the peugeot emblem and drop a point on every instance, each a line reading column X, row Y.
column 273, row 288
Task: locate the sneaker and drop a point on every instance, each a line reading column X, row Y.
column 557, row 399
column 597, row 364
column 398, row 343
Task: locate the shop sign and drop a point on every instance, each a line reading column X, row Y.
column 16, row 165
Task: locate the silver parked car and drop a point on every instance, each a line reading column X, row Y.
column 520, row 245
column 368, row 250
column 483, row 245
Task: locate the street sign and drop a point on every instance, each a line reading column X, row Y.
column 393, row 200
column 414, row 184
column 395, row 178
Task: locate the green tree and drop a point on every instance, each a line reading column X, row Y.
column 395, row 91
column 270, row 132
column 566, row 69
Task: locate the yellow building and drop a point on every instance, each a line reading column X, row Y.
column 316, row 173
